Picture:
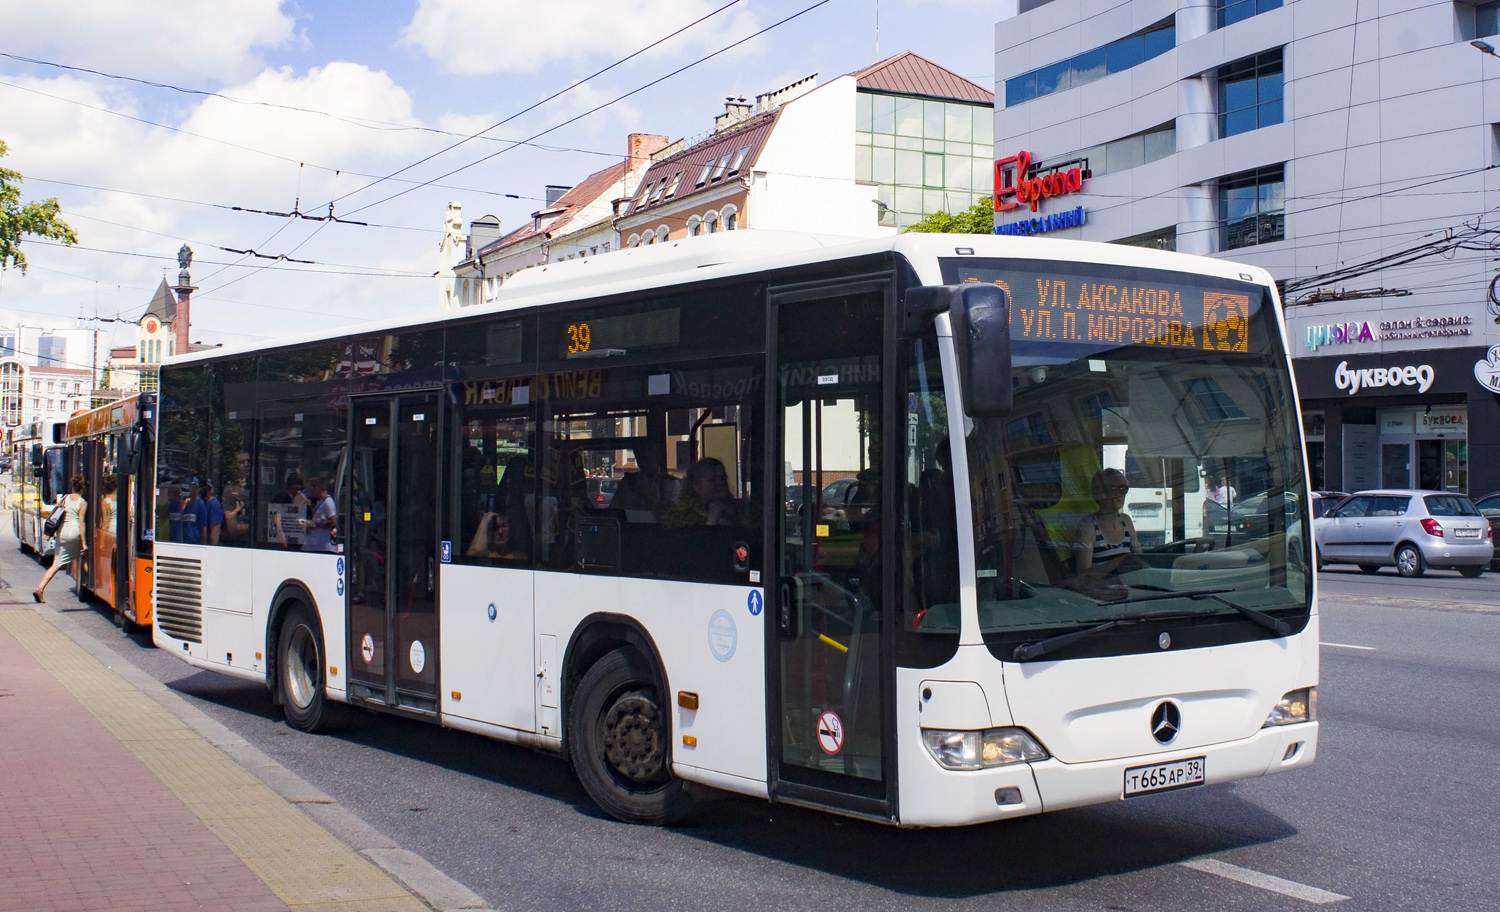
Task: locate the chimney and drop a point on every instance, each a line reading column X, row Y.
column 736, row 110
column 482, row 231
column 182, row 320
column 641, row 146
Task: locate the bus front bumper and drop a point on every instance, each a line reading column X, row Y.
column 933, row 796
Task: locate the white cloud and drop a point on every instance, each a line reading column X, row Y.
column 186, row 38
column 473, row 37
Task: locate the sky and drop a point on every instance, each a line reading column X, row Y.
column 199, row 106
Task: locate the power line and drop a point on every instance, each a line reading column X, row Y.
column 344, row 270
column 538, row 104
column 244, row 148
column 367, row 122
column 597, row 108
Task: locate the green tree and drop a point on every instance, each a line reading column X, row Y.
column 977, row 219
column 38, row 219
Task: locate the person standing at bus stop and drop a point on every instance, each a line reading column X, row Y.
column 68, row 543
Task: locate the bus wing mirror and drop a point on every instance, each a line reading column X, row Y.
column 921, row 305
column 981, row 335
column 36, row 455
column 130, row 453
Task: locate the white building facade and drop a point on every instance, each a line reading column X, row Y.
column 1348, row 146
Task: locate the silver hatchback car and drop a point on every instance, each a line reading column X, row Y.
column 1412, row 530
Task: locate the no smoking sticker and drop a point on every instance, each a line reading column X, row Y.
column 367, row 648
column 830, row 733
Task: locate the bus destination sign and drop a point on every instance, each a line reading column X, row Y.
column 1067, row 308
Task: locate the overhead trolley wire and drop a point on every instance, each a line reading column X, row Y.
column 597, row 108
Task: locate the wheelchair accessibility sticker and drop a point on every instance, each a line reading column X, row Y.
column 756, row 602
column 492, row 611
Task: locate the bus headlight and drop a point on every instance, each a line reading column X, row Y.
column 972, row 750
column 1297, row 706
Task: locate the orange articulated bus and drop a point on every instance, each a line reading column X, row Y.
column 109, row 447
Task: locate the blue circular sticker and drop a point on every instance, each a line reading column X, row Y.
column 756, row 602
column 341, row 566
column 492, row 611
column 722, row 636
column 340, row 586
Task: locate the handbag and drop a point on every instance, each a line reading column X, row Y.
column 55, row 520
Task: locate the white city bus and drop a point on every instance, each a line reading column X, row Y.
column 828, row 522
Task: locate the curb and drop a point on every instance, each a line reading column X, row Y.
column 439, row 891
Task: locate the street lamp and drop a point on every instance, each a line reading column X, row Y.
column 1485, row 46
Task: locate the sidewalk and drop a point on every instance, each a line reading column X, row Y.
column 113, row 799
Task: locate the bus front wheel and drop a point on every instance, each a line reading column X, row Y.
column 299, row 673
column 619, row 741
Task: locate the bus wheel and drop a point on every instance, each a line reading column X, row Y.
column 619, row 741
column 299, row 673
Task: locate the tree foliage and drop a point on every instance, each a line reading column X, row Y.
column 38, row 219
column 977, row 219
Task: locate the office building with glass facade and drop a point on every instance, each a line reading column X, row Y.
column 1350, row 151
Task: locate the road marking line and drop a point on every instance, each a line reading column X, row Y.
column 1263, row 881
column 1347, row 646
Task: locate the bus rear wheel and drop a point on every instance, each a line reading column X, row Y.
column 619, row 741
column 299, row 672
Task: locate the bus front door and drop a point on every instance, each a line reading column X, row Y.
column 828, row 727
column 392, row 549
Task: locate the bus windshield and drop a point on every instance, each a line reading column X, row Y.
column 1150, row 465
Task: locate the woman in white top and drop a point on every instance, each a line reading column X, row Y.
column 68, row 543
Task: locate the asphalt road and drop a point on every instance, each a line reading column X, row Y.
column 1400, row 811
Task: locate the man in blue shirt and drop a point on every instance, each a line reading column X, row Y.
column 213, row 515
column 194, row 516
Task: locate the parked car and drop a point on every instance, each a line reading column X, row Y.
column 1489, row 507
column 6, row 462
column 1408, row 529
column 602, row 492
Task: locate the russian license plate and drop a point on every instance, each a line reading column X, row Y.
column 1163, row 777
column 1465, row 533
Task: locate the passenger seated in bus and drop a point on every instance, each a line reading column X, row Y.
column 321, row 523
column 705, row 499
column 493, row 539
column 646, row 490
column 1105, row 541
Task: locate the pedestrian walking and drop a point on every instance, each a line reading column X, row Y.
column 68, row 543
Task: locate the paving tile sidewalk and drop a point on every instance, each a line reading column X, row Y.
column 108, row 802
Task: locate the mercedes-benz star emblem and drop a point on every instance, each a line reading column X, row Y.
column 1166, row 722
column 1165, row 640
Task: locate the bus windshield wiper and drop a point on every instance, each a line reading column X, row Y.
column 1028, row 651
column 1275, row 625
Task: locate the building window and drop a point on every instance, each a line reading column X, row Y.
column 739, row 159
column 1215, row 403
column 1232, row 11
column 1487, row 19
column 1250, row 93
column 731, row 217
column 1252, row 208
column 1120, row 154
column 672, row 187
column 694, row 226
column 1164, row 239
column 708, row 167
column 710, row 222
column 924, row 155
column 1115, row 57
column 719, row 169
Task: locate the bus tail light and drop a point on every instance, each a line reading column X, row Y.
column 972, row 750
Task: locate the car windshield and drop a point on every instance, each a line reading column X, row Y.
column 1136, row 462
